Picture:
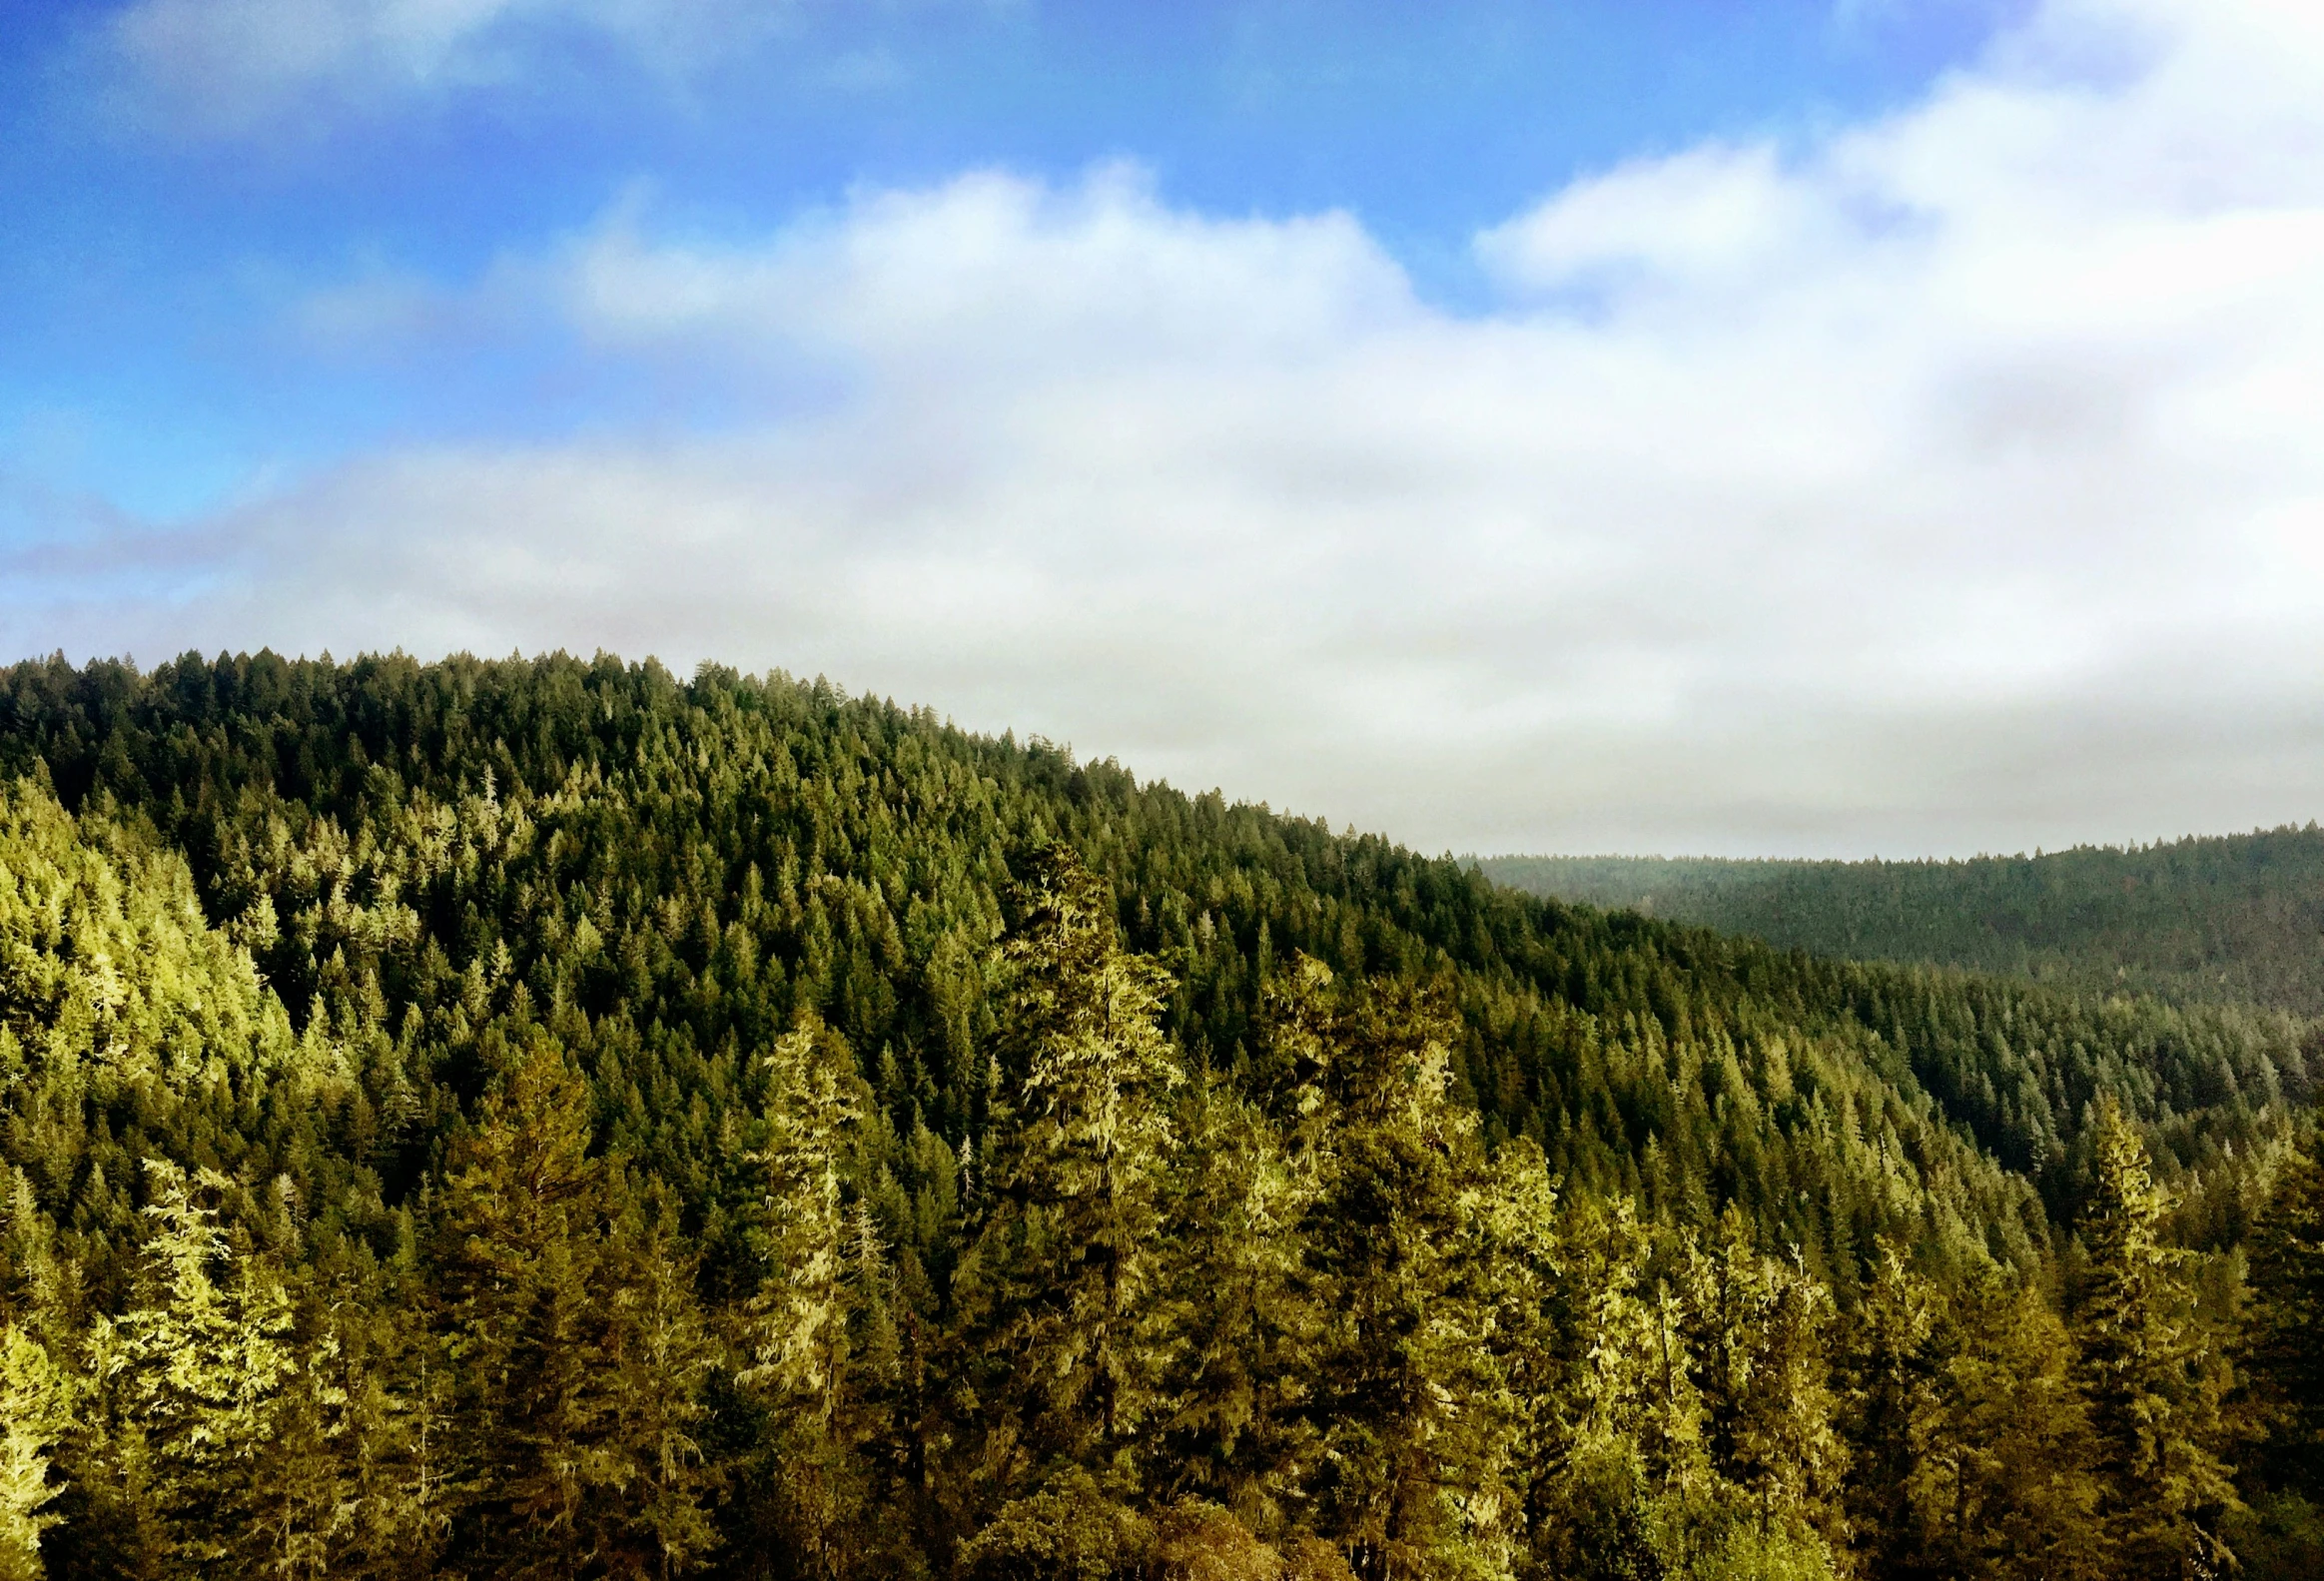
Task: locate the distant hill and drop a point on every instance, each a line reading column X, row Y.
column 2236, row 918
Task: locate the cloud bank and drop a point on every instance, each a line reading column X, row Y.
column 1955, row 481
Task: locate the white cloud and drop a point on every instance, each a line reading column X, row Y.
column 1955, row 481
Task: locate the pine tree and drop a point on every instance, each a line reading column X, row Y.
column 823, row 1288
column 2150, row 1372
column 2004, row 1483
column 800, row 1328
column 1405, row 1383
column 659, row 1355
column 2284, row 1355
column 1614, row 1440
column 1517, row 1248
column 1756, row 1328
column 366, row 1430
column 1895, row 1397
column 1232, row 1284
column 556, row 1328
column 2284, row 1536
column 1062, row 1284
column 36, row 1403
column 206, row 1362
column 1097, row 1269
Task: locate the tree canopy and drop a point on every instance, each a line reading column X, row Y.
column 549, row 1118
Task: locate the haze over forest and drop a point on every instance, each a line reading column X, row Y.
column 2232, row 918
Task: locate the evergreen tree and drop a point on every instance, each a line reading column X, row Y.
column 1756, row 1327
column 1401, row 1406
column 204, row 1365
column 822, row 1298
column 36, row 1400
column 1894, row 1399
column 1974, row 1455
column 2150, row 1372
column 2284, row 1352
column 1061, row 1286
column 362, row 1434
column 660, row 1354
column 1232, row 1430
column 1614, row 1440
column 1518, row 1247
column 2284, row 1536
column 570, row 1351
column 2007, row 1483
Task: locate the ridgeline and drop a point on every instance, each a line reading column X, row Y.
column 2213, row 920
column 555, row 1117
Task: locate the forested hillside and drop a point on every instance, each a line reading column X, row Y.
column 2228, row 920
column 550, row 1118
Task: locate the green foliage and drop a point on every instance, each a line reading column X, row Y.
column 1239, row 1301
column 2151, row 1373
column 1976, row 1457
column 2279, row 1538
column 818, row 1334
column 1069, row 1529
column 683, row 866
column 36, row 1398
column 568, row 1330
column 2217, row 920
column 2282, row 1355
column 1756, row 1329
column 1404, row 1414
column 201, row 1367
column 551, row 1119
column 1061, row 1283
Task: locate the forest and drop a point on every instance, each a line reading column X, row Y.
column 2221, row 919
column 553, row 1117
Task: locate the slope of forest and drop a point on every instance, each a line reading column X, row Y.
column 554, row 1119
column 2234, row 918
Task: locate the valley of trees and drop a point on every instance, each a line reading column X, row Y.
column 553, row 1118
column 2222, row 920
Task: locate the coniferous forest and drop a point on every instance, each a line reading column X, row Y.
column 2222, row 919
column 557, row 1118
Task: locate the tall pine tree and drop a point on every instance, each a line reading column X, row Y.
column 2151, row 1374
column 1062, row 1285
column 2286, row 1345
column 570, row 1339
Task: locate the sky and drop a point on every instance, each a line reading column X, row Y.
column 1824, row 427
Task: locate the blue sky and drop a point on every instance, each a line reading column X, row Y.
column 1863, row 426
column 155, row 246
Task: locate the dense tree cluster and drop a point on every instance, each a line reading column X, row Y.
column 549, row 1119
column 2211, row 919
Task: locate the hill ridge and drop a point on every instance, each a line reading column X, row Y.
column 2204, row 919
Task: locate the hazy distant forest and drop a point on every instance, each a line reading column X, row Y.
column 555, row 1118
column 2234, row 918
